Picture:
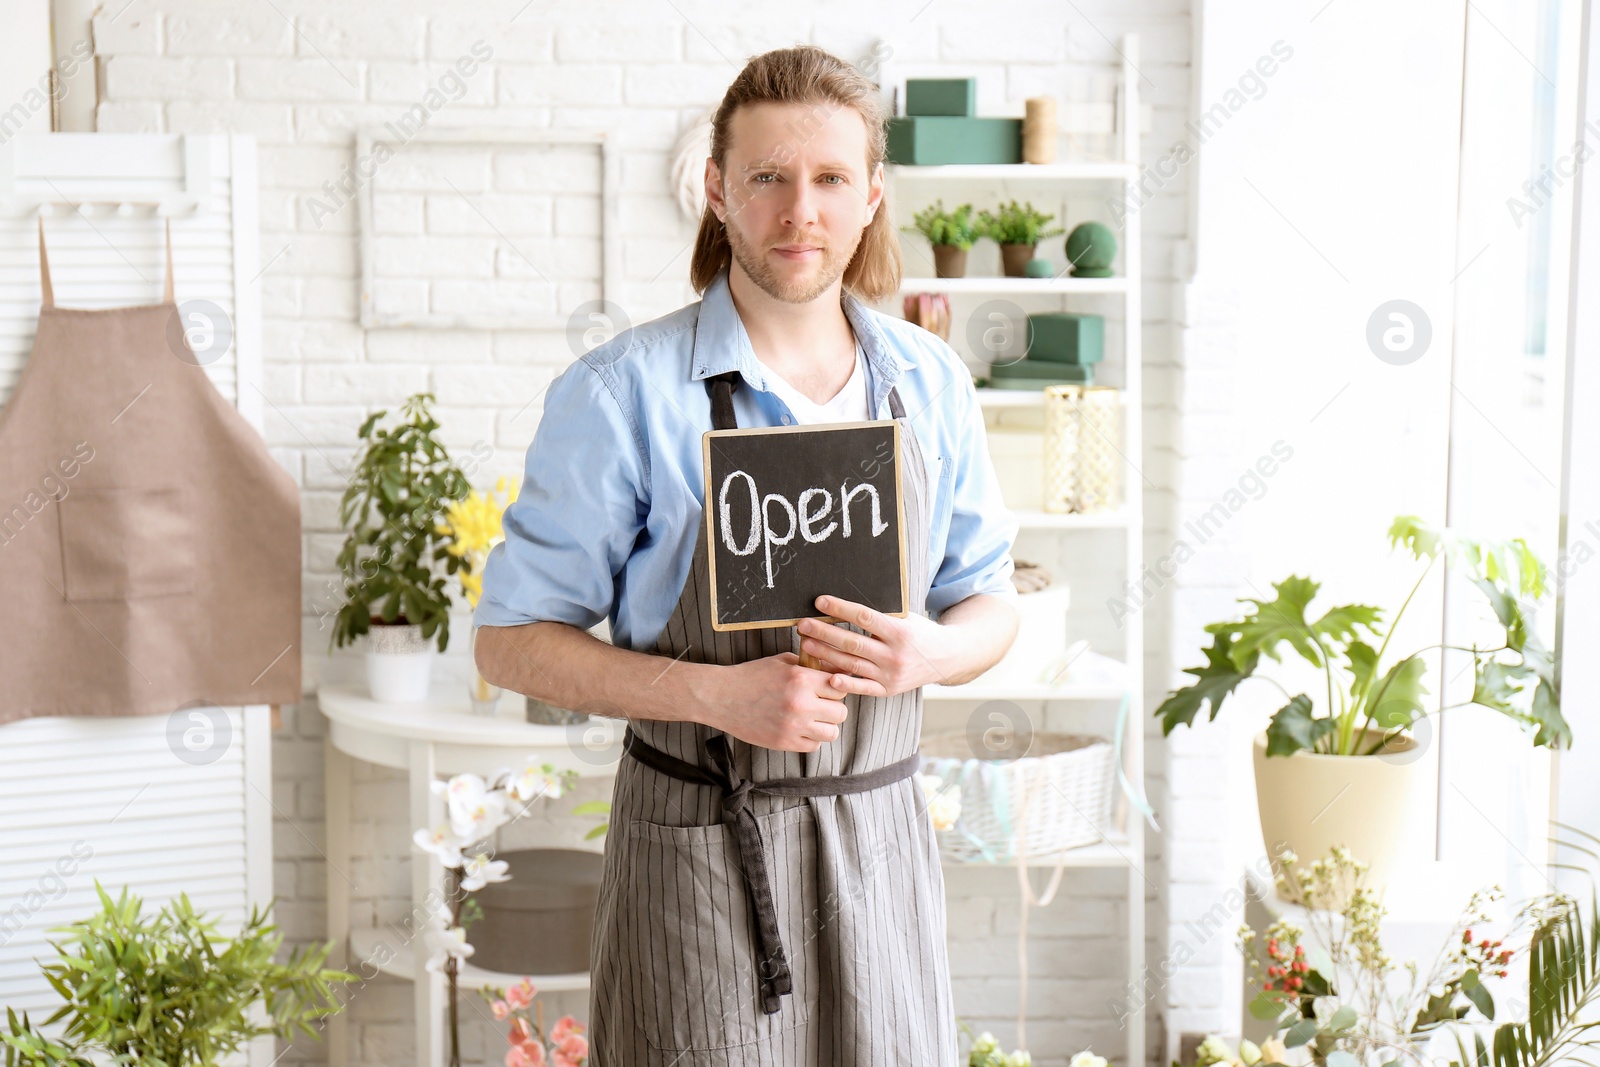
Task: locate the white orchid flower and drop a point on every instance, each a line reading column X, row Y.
column 442, row 843
column 480, row 870
column 461, row 789
column 478, row 820
column 535, row 782
column 447, row 944
column 475, row 810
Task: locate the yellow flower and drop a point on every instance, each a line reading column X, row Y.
column 474, row 527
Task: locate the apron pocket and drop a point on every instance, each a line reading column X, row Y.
column 688, row 932
column 124, row 544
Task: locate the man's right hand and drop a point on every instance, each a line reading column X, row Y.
column 774, row 702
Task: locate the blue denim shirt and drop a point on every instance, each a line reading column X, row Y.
column 605, row 523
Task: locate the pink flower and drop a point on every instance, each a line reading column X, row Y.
column 500, row 1008
column 571, row 1051
column 521, row 1032
column 521, row 994
column 564, row 1026
column 529, row 1054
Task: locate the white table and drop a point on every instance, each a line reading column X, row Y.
column 434, row 739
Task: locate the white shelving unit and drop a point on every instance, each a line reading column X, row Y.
column 1094, row 676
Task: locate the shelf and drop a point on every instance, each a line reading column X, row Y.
column 1112, row 852
column 1009, row 398
column 1007, row 172
column 1016, row 286
column 1035, row 519
column 1092, row 676
column 391, row 953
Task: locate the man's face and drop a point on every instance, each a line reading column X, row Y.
column 795, row 195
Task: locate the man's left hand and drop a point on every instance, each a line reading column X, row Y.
column 893, row 656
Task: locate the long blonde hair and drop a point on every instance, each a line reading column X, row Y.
column 805, row 74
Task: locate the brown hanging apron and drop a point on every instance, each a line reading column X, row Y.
column 149, row 544
column 767, row 907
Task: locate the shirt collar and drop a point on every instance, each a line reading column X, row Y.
column 721, row 344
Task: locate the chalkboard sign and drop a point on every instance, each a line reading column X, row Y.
column 794, row 513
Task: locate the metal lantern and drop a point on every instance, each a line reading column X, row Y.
column 1082, row 448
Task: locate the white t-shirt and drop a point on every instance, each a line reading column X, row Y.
column 848, row 405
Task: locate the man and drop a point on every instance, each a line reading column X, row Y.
column 772, row 888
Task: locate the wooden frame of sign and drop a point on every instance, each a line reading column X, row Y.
column 892, row 425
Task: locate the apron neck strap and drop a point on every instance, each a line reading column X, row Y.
column 48, row 291
column 166, row 297
column 721, row 387
column 45, row 287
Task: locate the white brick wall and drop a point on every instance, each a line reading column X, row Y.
column 302, row 77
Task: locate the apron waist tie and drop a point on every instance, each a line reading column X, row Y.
column 773, row 965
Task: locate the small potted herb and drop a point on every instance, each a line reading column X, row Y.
column 951, row 234
column 1018, row 230
column 396, row 508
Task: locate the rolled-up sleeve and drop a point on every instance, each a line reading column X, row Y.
column 977, row 556
column 583, row 500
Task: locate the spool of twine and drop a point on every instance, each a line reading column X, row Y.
column 1039, row 129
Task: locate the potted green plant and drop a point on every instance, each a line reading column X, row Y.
column 950, row 233
column 168, row 990
column 1341, row 768
column 395, row 509
column 1018, row 229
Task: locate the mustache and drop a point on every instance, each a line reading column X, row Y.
column 799, row 239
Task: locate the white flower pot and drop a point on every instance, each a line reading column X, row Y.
column 399, row 662
column 1310, row 802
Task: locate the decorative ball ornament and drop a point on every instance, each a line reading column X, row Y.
column 1039, row 268
column 1091, row 248
column 688, row 169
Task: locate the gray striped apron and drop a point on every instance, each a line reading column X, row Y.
column 753, row 909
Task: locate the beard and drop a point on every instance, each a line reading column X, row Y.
column 755, row 264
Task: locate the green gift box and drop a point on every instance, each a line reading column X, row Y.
column 1038, row 373
column 942, row 96
column 1064, row 337
column 929, row 140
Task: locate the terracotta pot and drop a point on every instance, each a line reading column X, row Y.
column 1310, row 802
column 949, row 261
column 1014, row 259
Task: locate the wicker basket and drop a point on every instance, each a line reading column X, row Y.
column 1038, row 805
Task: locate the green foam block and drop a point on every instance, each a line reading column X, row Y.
column 1064, row 337
column 932, row 140
column 942, row 96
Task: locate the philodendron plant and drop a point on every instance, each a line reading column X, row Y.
column 1517, row 678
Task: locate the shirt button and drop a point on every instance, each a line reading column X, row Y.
column 787, row 420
